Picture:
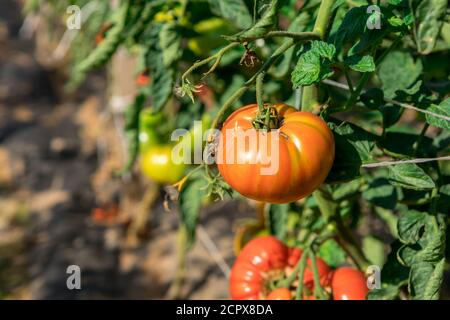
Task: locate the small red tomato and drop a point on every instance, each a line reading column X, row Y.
column 348, row 284
column 143, row 79
column 280, row 294
column 101, row 34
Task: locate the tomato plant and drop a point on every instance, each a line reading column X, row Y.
column 357, row 93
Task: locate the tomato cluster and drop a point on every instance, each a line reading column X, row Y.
column 264, row 261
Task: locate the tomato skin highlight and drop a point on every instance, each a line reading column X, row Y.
column 157, row 164
column 348, row 284
column 280, row 294
column 259, row 259
column 305, row 155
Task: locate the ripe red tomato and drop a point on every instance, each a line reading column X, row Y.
column 143, row 79
column 305, row 155
column 348, row 284
column 264, row 259
column 259, row 257
column 280, row 294
column 101, row 34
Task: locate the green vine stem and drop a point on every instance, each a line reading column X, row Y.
column 180, row 274
column 329, row 210
column 318, row 290
column 217, row 57
column 267, row 64
column 346, row 241
column 420, row 138
column 294, row 35
column 324, row 19
column 259, row 91
column 301, row 274
column 366, row 76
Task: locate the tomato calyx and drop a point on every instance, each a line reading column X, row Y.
column 267, row 118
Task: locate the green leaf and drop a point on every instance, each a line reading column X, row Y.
column 394, row 273
column 391, row 114
column 278, row 216
column 345, row 190
column 373, row 98
column 389, row 292
column 425, row 280
column 398, row 71
column 395, row 2
column 361, row 64
column 309, row 70
column 353, row 148
column 411, row 176
column 323, row 49
column 373, row 249
column 402, row 144
column 409, row 226
column 170, row 40
column 429, row 17
column 233, row 10
column 352, row 26
column 190, row 202
column 105, row 50
column 381, row 193
column 442, row 109
column 261, row 27
column 314, row 65
column 161, row 87
column 332, row 253
column 444, row 199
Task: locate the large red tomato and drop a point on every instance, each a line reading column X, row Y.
column 348, row 284
column 264, row 259
column 304, row 155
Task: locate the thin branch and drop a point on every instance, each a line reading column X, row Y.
column 212, row 249
column 398, row 103
column 293, row 35
column 393, row 163
column 217, row 56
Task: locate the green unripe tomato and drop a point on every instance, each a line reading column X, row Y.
column 157, row 165
column 148, row 136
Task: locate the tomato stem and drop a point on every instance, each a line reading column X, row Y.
column 278, row 53
column 180, row 275
column 259, row 91
column 217, row 56
column 301, row 273
column 318, row 290
column 324, row 19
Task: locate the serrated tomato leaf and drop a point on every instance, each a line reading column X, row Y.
column 411, row 176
